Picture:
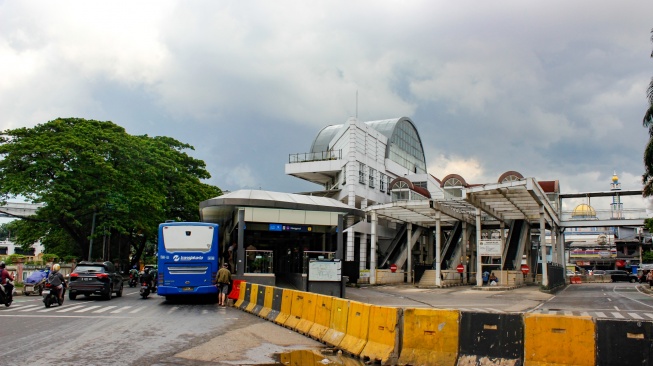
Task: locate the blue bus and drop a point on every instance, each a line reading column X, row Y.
column 187, row 259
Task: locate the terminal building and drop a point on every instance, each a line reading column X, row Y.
column 387, row 219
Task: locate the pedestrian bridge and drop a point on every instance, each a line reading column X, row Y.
column 19, row 209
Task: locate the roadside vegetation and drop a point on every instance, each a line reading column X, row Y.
column 92, row 176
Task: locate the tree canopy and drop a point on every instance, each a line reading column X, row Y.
column 84, row 170
column 647, row 177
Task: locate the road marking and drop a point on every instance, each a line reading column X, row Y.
column 205, row 311
column 585, row 313
column 600, row 314
column 70, row 308
column 46, row 310
column 173, row 309
column 568, row 313
column 28, row 308
column 635, row 316
column 137, row 310
column 616, row 308
column 121, row 309
column 609, row 299
column 617, row 315
column 649, row 315
column 104, row 309
column 87, row 309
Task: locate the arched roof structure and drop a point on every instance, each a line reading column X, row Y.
column 404, row 143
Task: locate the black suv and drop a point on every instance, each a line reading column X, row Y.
column 95, row 278
column 618, row 275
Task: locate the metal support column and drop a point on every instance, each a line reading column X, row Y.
column 479, row 262
column 373, row 250
column 409, row 255
column 438, row 250
column 545, row 278
column 240, row 265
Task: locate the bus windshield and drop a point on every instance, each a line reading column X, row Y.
column 188, row 238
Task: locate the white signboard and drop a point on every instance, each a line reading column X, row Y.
column 490, row 248
column 324, row 271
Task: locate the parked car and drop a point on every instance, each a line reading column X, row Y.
column 99, row 278
column 619, row 275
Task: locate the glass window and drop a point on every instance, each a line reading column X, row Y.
column 382, row 182
column 372, row 177
column 361, row 173
column 344, row 175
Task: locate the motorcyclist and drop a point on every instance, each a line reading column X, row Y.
column 5, row 277
column 146, row 277
column 133, row 274
column 57, row 281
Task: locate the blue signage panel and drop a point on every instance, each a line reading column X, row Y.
column 275, row 227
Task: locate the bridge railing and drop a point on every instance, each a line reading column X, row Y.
column 626, row 214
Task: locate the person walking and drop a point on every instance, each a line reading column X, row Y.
column 222, row 282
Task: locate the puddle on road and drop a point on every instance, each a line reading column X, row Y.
column 315, row 358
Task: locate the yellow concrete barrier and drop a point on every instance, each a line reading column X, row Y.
column 296, row 310
column 253, row 294
column 286, row 303
column 337, row 323
column 308, row 313
column 383, row 335
column 559, row 340
column 322, row 321
column 267, row 302
column 241, row 294
column 430, row 337
column 357, row 328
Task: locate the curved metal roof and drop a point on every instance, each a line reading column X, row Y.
column 221, row 207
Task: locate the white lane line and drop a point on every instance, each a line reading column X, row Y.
column 585, row 313
column 600, row 314
column 205, row 311
column 104, row 309
column 173, row 309
column 70, row 308
column 28, row 308
column 635, row 316
column 568, row 313
column 46, row 310
column 137, row 310
column 121, row 309
column 617, row 315
column 649, row 315
column 87, row 309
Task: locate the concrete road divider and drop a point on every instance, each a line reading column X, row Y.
column 323, row 305
column 253, row 294
column 430, row 337
column 286, row 303
column 559, row 340
column 624, row 342
column 260, row 299
column 384, row 335
column 491, row 339
column 357, row 328
column 296, row 310
column 268, row 298
column 241, row 295
column 277, row 296
column 308, row 313
column 337, row 323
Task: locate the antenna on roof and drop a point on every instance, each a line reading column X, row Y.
column 356, row 103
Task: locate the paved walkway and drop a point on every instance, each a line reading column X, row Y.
column 497, row 299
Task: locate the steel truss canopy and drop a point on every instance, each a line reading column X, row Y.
column 499, row 202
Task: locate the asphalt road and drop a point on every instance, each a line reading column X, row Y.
column 134, row 331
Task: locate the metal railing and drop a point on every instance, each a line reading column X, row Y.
column 626, row 214
column 316, row 156
column 259, row 261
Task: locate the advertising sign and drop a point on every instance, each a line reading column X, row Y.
column 490, row 247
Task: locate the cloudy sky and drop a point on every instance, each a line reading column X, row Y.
column 553, row 89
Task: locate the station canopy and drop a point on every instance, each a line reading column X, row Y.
column 498, row 202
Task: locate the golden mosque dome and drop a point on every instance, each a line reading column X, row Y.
column 583, row 210
column 615, row 178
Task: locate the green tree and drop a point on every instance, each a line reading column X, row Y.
column 85, row 169
column 647, row 178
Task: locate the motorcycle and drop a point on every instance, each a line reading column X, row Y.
column 145, row 290
column 6, row 298
column 133, row 280
column 50, row 296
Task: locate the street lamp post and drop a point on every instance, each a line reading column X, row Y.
column 90, row 247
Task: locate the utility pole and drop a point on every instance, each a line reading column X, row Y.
column 90, row 247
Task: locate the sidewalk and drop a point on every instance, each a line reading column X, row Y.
column 496, row 298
